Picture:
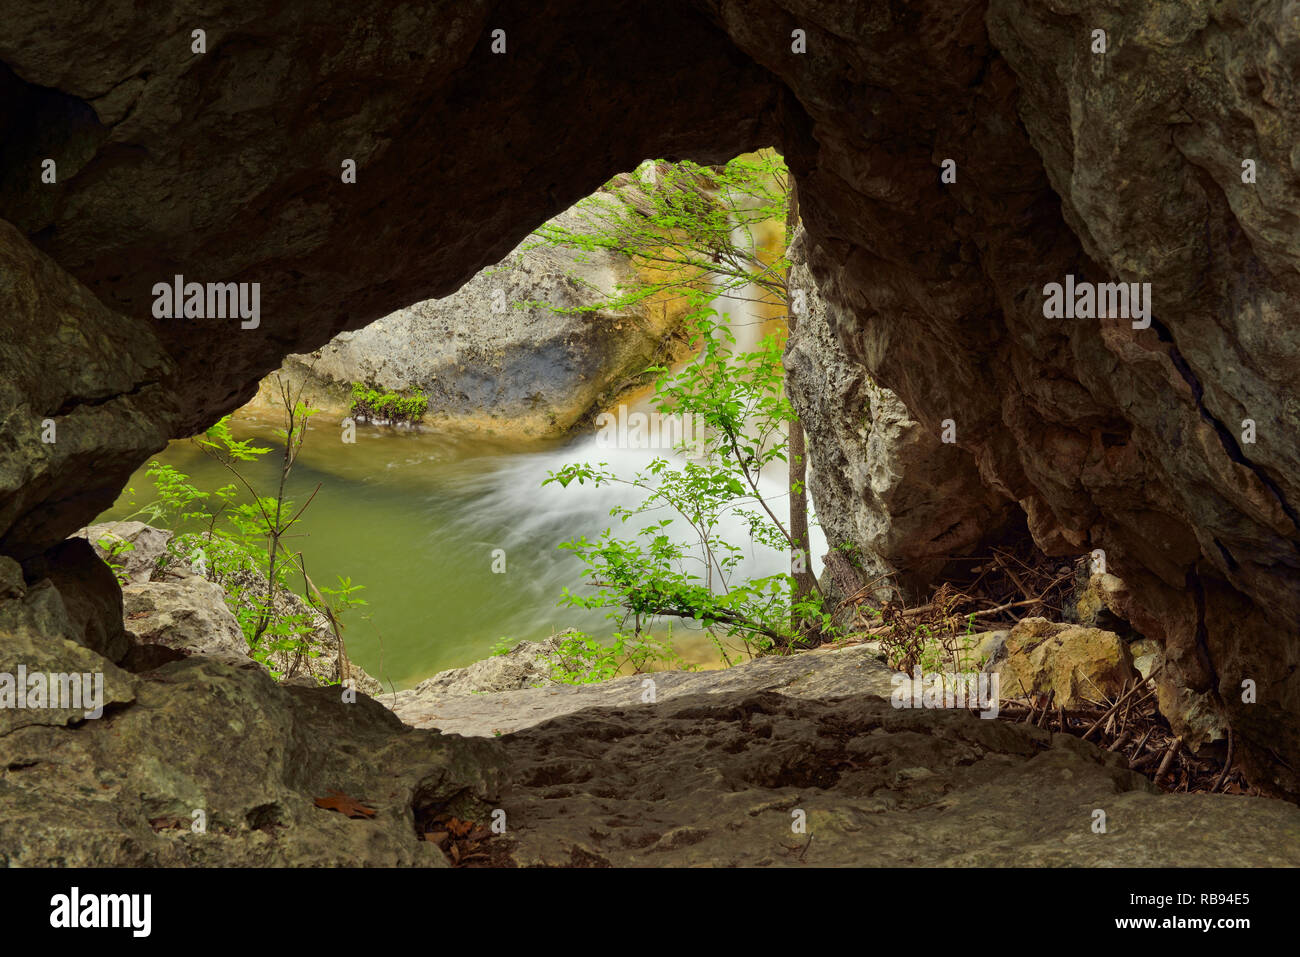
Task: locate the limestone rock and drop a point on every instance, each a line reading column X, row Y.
column 1079, row 665
column 86, row 395
column 899, row 498
column 188, row 616
column 1147, row 655
column 1126, row 166
column 91, row 596
column 712, row 780
column 138, row 550
column 698, row 778
column 172, row 611
column 38, row 635
column 252, row 756
column 497, row 354
column 526, row 665
column 819, row 674
column 984, row 650
column 202, row 734
column 1101, row 603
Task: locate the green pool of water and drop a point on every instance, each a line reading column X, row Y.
column 415, row 517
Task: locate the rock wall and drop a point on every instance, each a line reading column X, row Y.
column 85, row 395
column 906, row 502
column 1122, row 165
column 498, row 355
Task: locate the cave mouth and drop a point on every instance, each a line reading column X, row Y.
column 436, row 427
column 429, row 499
column 953, row 162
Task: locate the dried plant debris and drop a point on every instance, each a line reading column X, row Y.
column 1132, row 726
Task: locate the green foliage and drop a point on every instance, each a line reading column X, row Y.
column 693, row 234
column 235, row 540
column 375, row 405
column 343, row 597
column 113, row 547
column 226, row 542
column 652, row 574
column 853, row 553
column 696, row 233
column 582, row 659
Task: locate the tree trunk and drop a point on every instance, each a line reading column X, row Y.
column 805, row 583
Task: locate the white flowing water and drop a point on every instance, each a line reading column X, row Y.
column 420, row 519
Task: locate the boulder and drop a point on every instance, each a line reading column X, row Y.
column 1100, row 602
column 505, row 353
column 463, row 707
column 137, row 552
column 188, row 616
column 38, row 634
column 526, row 665
column 173, row 611
column 1078, row 665
column 91, row 596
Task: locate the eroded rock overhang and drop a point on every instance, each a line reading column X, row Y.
column 224, row 166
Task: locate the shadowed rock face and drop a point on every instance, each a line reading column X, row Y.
column 880, row 480
column 1123, row 166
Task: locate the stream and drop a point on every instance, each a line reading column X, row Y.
column 415, row 516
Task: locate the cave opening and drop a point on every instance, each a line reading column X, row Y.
column 953, row 161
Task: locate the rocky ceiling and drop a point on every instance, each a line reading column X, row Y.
column 1125, row 164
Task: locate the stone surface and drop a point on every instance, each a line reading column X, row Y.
column 171, row 610
column 253, row 756
column 91, row 596
column 188, row 615
column 905, row 501
column 526, row 665
column 1078, row 666
column 199, row 733
column 496, row 355
column 146, row 555
column 1125, row 166
column 706, row 777
column 1100, row 603
column 38, row 634
column 983, row 650
column 713, row 780
column 820, row 674
column 86, row 396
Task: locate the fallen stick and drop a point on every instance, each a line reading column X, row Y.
column 1119, row 742
column 1227, row 764
column 923, row 609
column 1137, row 752
column 1124, row 698
column 1169, row 757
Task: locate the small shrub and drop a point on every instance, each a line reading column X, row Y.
column 372, row 405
